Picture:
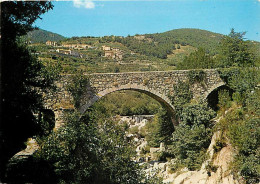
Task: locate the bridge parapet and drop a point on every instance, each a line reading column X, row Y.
column 160, row 81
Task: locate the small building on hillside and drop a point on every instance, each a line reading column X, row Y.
column 51, row 43
column 62, row 51
column 106, row 48
column 114, row 55
column 70, row 52
column 109, row 54
column 76, row 46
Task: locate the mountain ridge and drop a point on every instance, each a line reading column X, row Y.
column 41, row 36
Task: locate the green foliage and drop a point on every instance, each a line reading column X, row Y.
column 196, row 76
column 244, row 81
column 22, row 77
column 153, row 133
column 153, row 180
column 190, row 144
column 235, row 52
column 46, row 118
column 220, row 143
column 192, row 137
column 194, row 37
column 241, row 80
column 42, row 36
column 197, row 60
column 182, row 95
column 162, row 44
column 245, row 136
column 160, row 129
column 249, row 167
column 241, row 124
column 253, row 103
column 77, row 87
column 166, row 127
column 164, row 155
column 134, row 130
column 147, row 47
column 224, row 99
column 87, row 150
column 197, row 114
column 127, row 103
column 211, row 168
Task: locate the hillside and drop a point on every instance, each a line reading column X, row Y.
column 193, row 37
column 149, row 52
column 41, row 36
column 160, row 45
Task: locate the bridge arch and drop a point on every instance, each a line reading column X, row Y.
column 212, row 95
column 162, row 99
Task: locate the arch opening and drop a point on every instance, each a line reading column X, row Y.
column 213, row 98
column 162, row 99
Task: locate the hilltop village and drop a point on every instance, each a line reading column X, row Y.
column 74, row 50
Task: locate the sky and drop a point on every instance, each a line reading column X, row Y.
column 122, row 18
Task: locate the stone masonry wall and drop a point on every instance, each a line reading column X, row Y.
column 158, row 84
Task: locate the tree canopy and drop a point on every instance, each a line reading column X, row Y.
column 235, row 51
column 21, row 75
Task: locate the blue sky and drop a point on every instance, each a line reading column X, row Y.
column 122, row 18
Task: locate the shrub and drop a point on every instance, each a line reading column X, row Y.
column 77, row 87
column 164, row 155
column 220, row 143
column 211, row 168
column 190, row 144
column 196, row 76
column 160, row 129
column 182, row 95
column 224, row 100
column 193, row 135
column 197, row 114
column 134, row 130
column 86, row 150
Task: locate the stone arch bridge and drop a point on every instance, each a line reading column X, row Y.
column 157, row 84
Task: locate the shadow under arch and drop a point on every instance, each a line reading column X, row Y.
column 162, row 99
column 212, row 96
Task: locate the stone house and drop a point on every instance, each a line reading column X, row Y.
column 76, row 46
column 110, row 54
column 51, row 43
column 62, row 51
column 106, row 48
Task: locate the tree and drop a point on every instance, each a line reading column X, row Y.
column 192, row 137
column 234, row 51
column 88, row 150
column 182, row 95
column 161, row 129
column 22, row 75
column 197, row 60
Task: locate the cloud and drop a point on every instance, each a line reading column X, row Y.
column 89, row 4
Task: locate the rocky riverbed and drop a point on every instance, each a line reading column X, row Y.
column 219, row 175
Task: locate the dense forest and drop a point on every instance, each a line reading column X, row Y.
column 42, row 36
column 92, row 147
